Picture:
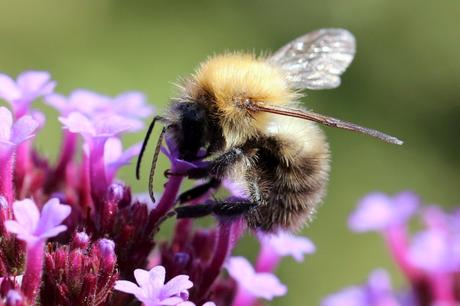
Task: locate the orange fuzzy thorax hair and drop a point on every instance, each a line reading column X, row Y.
column 232, row 78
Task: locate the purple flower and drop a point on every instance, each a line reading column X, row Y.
column 32, row 226
column 29, row 86
column 261, row 285
column 286, row 244
column 81, row 100
column 103, row 126
column 129, row 104
column 152, row 290
column 377, row 292
column 15, row 133
column 275, row 246
column 14, row 298
column 377, row 211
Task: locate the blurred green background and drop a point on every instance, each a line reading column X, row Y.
column 405, row 80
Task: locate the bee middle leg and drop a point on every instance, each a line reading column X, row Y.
column 198, row 191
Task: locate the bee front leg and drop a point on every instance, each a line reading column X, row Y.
column 216, row 168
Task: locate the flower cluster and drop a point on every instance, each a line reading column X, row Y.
column 71, row 234
column 429, row 259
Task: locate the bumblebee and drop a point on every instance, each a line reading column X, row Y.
column 245, row 112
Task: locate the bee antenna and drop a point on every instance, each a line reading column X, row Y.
column 144, row 145
column 154, row 163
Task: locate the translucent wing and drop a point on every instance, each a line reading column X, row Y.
column 317, row 59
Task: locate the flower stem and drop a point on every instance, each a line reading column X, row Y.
column 6, row 177
column 33, row 272
column 67, row 151
column 396, row 240
column 97, row 174
column 227, row 236
column 243, row 298
column 167, row 200
column 267, row 260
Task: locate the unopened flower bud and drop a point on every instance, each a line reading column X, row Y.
column 115, row 192
column 106, row 248
column 80, row 240
column 14, row 298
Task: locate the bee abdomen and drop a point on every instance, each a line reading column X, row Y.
column 288, row 194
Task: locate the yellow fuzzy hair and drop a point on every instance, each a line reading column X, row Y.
column 235, row 77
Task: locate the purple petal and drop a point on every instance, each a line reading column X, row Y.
column 156, row 280
column 6, row 124
column 436, row 251
column 88, row 102
column 8, row 88
column 132, row 104
column 26, row 214
column 353, row 296
column 78, row 123
column 176, row 285
column 128, row 287
column 35, row 83
column 239, row 269
column 58, row 102
column 113, row 125
column 175, row 300
column 113, row 149
column 286, row 244
column 23, row 129
column 377, row 211
column 52, row 215
column 52, row 232
column 266, row 285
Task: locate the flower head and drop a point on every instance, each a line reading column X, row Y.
column 263, row 285
column 15, row 133
column 377, row 211
column 103, row 126
column 152, row 290
column 29, row 86
column 129, row 104
column 32, row 226
column 81, row 100
column 377, row 292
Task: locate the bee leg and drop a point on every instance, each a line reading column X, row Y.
column 223, row 209
column 198, row 191
column 218, row 167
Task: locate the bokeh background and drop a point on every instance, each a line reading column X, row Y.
column 405, row 80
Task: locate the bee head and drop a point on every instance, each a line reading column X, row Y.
column 190, row 129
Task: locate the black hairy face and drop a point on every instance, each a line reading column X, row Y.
column 191, row 130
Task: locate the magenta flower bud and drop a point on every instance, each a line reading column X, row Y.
column 116, row 192
column 80, row 240
column 106, row 248
column 14, row 298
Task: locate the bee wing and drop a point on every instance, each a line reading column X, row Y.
column 317, row 59
column 322, row 119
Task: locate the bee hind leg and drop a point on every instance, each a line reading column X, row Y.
column 221, row 209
